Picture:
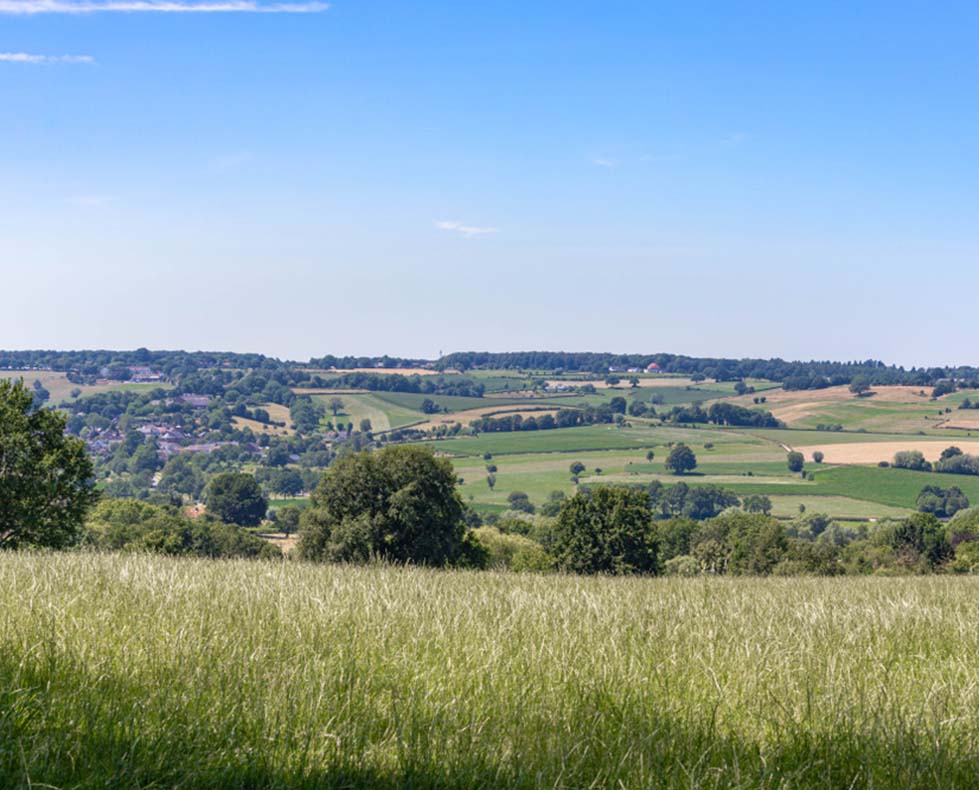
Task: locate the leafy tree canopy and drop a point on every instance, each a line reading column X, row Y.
column 399, row 504
column 46, row 484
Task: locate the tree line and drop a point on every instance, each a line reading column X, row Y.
column 813, row 374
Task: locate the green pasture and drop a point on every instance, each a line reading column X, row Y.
column 877, row 416
column 837, row 507
column 450, row 403
column 590, row 437
column 384, row 415
column 893, row 487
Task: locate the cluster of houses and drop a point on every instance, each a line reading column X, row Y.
column 652, row 367
column 170, row 441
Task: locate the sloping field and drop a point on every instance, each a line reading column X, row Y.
column 966, row 420
column 887, row 409
column 277, row 413
column 471, row 415
column 834, row 506
column 259, row 428
column 366, row 405
column 60, row 388
column 564, row 440
column 873, row 452
column 383, row 371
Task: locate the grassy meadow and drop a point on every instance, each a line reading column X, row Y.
column 136, row 671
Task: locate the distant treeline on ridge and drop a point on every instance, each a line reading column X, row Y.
column 814, row 374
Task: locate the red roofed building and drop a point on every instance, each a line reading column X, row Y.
column 652, row 367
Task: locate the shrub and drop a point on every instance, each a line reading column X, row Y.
column 911, row 459
column 512, row 551
column 684, row 565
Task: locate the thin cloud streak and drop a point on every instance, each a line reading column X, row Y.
column 468, row 231
column 31, row 7
column 24, row 57
column 231, row 161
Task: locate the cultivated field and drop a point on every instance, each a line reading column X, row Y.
column 60, row 388
column 135, row 671
column 874, row 452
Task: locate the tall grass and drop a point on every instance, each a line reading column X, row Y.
column 133, row 671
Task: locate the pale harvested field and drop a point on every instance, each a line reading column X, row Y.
column 285, row 542
column 873, row 452
column 966, row 420
column 842, row 393
column 385, row 371
column 60, row 388
column 792, row 405
column 259, row 428
column 277, row 412
column 623, row 384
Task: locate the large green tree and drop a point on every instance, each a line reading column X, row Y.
column 398, row 504
column 606, row 530
column 236, row 498
column 681, row 459
column 46, row 477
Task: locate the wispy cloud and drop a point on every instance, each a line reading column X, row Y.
column 735, row 139
column 230, row 161
column 27, row 7
column 601, row 161
column 91, row 201
column 469, row 231
column 24, row 57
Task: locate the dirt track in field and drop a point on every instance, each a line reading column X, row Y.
column 967, row 419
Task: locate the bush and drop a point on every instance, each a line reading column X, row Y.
column 131, row 525
column 520, row 502
column 941, row 502
column 911, row 459
column 684, row 565
column 958, row 464
column 511, row 551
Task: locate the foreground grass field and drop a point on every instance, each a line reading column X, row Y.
column 131, row 671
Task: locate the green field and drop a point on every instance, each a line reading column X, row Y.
column 448, row 403
column 747, row 461
column 139, row 671
column 566, row 440
column 893, row 487
column 383, row 414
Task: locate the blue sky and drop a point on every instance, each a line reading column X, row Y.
column 737, row 179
